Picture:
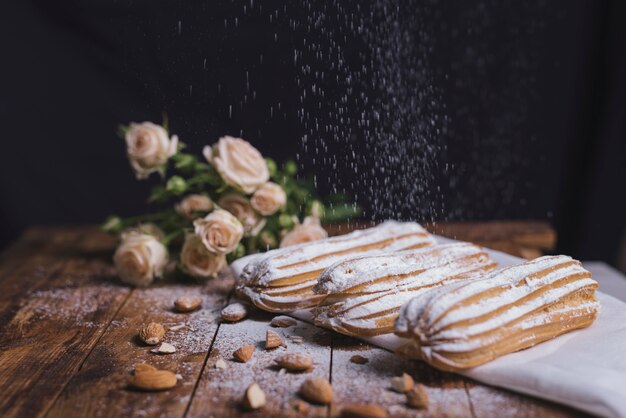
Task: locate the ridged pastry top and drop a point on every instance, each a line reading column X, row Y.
column 276, row 267
column 363, row 273
column 464, row 316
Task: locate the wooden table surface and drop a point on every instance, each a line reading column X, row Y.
column 68, row 342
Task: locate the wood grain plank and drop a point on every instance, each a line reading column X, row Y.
column 370, row 382
column 219, row 392
column 51, row 332
column 494, row 402
column 30, row 261
column 100, row 389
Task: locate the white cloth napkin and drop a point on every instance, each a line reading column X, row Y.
column 585, row 369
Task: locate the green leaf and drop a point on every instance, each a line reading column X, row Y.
column 113, row 224
column 342, row 212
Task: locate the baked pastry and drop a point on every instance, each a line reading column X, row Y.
column 464, row 325
column 364, row 294
column 282, row 280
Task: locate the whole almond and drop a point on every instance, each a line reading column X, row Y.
column 363, row 411
column 317, row 390
column 295, row 362
column 143, row 367
column 234, row 312
column 402, row 384
column 282, row 321
column 153, row 380
column 243, row 354
column 417, row 398
column 254, row 398
column 359, row 359
column 272, row 340
column 152, row 333
column 187, row 303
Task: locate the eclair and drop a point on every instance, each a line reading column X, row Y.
column 282, row 280
column 363, row 295
column 466, row 324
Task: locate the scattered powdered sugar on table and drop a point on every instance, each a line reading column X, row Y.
column 68, row 304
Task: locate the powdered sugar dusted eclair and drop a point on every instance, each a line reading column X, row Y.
column 364, row 294
column 282, row 280
column 464, row 325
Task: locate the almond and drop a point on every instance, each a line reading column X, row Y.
column 234, row 312
column 272, row 340
column 295, row 362
column 417, row 398
column 317, row 390
column 283, row 321
column 363, row 411
column 402, row 384
column 152, row 333
column 300, row 407
column 254, row 398
column 143, row 367
column 359, row 359
column 243, row 354
column 164, row 348
column 187, row 303
column 146, row 379
column 221, row 364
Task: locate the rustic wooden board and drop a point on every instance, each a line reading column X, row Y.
column 31, row 261
column 53, row 329
column 370, row 382
column 100, row 389
column 68, row 343
column 220, row 391
column 491, row 402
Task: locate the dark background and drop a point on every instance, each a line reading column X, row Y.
column 419, row 109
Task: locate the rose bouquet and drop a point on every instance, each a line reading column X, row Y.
column 214, row 209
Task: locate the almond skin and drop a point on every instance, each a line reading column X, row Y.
column 363, row 411
column 153, row 380
column 417, row 398
column 143, row 367
column 402, row 384
column 152, row 333
column 187, row 303
column 295, row 362
column 359, row 359
column 272, row 340
column 243, row 354
column 254, row 398
column 317, row 390
column 283, row 321
column 234, row 312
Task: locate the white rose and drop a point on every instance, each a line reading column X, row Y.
column 193, row 205
column 140, row 258
column 239, row 164
column 148, row 147
column 197, row 261
column 309, row 230
column 147, row 228
column 243, row 211
column 219, row 231
column 268, row 199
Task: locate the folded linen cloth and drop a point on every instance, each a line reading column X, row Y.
column 584, row 369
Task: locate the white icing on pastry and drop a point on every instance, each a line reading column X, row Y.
column 365, row 293
column 281, row 280
column 465, row 324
